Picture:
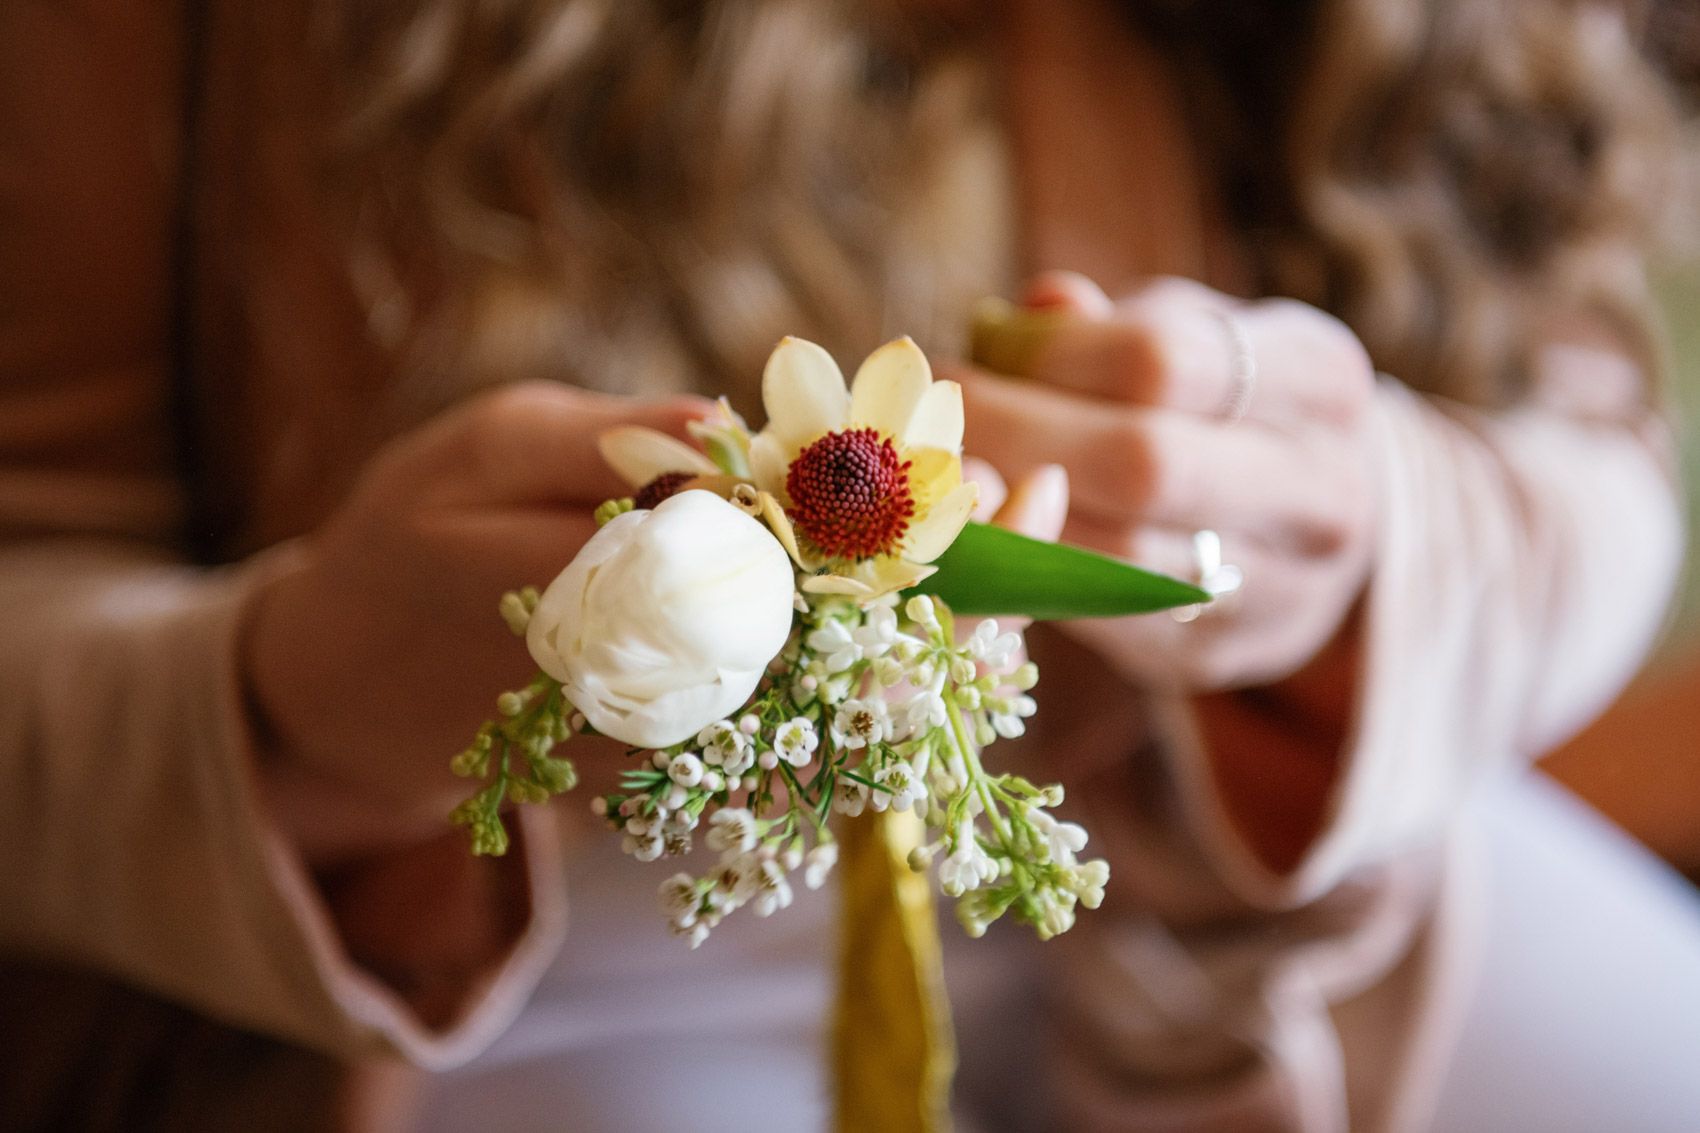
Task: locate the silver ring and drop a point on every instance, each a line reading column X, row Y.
column 1242, row 367
column 1215, row 577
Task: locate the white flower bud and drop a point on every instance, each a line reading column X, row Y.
column 685, row 770
column 666, row 619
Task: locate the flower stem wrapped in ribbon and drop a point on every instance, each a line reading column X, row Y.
column 771, row 622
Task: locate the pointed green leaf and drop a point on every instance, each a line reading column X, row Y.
column 990, row 571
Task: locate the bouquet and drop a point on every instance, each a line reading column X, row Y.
column 775, row 625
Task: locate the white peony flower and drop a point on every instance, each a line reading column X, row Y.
column 665, row 620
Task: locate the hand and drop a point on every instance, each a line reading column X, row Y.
column 1132, row 399
column 374, row 663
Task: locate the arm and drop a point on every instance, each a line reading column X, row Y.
column 134, row 812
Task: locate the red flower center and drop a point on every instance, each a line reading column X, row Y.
column 662, row 487
column 850, row 494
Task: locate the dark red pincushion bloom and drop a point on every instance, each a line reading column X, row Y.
column 850, row 494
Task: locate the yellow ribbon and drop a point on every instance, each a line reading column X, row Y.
column 893, row 1049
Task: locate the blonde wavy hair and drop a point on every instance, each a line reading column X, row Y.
column 646, row 194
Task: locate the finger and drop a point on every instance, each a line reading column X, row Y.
column 1176, row 356
column 1156, row 466
column 535, row 442
column 1067, row 291
column 1180, row 346
column 993, row 490
column 1038, row 508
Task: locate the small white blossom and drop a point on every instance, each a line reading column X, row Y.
column 732, row 831
column 968, row 866
column 990, row 646
column 723, row 744
column 685, row 770
column 861, row 723
column 877, row 633
column 770, row 889
column 849, row 797
column 693, row 932
column 1064, row 839
column 974, row 911
column 902, row 787
column 836, row 643
column 795, row 741
column 644, row 849
column 920, row 611
column 922, row 712
column 679, row 896
column 819, row 863
column 731, row 884
column 1087, row 881
column 1057, row 917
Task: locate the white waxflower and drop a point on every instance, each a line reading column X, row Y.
column 731, row 884
column 849, row 797
column 861, row 723
column 770, row 891
column 795, row 741
column 679, row 896
column 819, row 863
column 732, row 830
column 644, row 849
column 902, row 788
column 693, row 932
column 685, row 770
column 666, row 619
column 724, row 745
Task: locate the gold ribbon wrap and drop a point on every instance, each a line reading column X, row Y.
column 892, row 1045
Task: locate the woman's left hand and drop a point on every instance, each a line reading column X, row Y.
column 1179, row 409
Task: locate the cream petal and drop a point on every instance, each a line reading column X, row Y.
column 837, row 584
column 768, row 463
column 937, row 420
column 929, row 539
column 933, row 473
column 871, row 579
column 804, row 393
column 638, row 455
column 888, row 387
column 886, row 575
column 780, row 524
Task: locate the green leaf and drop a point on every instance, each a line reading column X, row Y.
column 990, row 571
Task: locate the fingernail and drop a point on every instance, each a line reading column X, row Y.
column 1050, row 487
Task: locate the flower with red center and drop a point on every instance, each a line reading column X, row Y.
column 850, row 494
column 870, row 477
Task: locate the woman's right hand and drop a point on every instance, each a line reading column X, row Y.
column 375, row 661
